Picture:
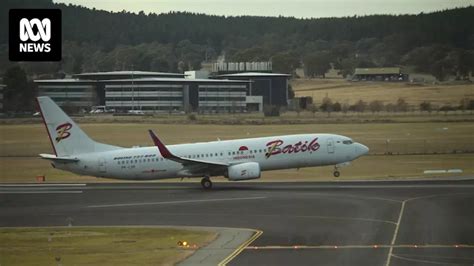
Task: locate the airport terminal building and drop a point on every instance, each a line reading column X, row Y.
column 165, row 92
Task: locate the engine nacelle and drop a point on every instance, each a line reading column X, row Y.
column 243, row 171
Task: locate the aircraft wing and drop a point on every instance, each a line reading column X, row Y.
column 191, row 165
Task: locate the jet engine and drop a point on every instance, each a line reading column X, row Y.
column 243, row 171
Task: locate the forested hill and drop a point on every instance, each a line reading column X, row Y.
column 101, row 40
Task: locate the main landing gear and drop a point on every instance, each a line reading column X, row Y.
column 336, row 172
column 206, row 183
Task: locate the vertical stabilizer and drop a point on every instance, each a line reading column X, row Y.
column 65, row 136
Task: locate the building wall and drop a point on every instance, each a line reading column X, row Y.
column 176, row 97
column 274, row 90
column 144, row 96
column 222, row 98
column 77, row 95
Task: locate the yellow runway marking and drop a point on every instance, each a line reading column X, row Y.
column 240, row 248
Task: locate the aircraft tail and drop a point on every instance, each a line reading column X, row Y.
column 66, row 137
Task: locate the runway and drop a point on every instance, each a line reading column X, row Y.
column 328, row 223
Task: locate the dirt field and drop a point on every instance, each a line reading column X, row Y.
column 350, row 92
column 20, row 144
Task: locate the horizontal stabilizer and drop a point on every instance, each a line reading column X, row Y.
column 54, row 158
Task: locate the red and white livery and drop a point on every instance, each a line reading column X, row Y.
column 240, row 159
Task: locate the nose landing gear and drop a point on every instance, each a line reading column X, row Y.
column 206, row 183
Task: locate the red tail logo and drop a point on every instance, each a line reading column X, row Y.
column 62, row 131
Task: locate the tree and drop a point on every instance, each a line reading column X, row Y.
column 375, row 106
column 347, row 67
column 285, row 63
column 18, row 94
column 313, row 108
column 327, row 105
column 360, row 106
column 317, row 64
column 402, row 105
column 426, row 106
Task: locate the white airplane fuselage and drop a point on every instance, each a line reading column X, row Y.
column 271, row 153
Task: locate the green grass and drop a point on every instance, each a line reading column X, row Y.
column 98, row 245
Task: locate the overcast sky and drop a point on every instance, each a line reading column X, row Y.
column 295, row 8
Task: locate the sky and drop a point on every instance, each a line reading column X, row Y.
column 287, row 8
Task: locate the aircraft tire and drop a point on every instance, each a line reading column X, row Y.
column 206, row 183
column 336, row 174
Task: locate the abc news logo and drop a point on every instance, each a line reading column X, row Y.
column 35, row 34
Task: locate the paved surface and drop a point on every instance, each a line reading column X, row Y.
column 335, row 223
column 228, row 243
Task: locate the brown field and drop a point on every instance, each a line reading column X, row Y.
column 19, row 144
column 350, row 92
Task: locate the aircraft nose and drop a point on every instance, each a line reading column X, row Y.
column 361, row 149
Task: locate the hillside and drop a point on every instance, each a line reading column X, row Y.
column 440, row 43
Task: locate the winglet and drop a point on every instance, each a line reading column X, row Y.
column 163, row 150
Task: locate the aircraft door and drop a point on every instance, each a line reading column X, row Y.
column 331, row 146
column 102, row 165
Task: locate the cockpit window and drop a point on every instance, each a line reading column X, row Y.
column 347, row 142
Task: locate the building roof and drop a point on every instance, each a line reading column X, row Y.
column 118, row 74
column 377, row 71
column 179, row 80
column 254, row 74
column 64, row 81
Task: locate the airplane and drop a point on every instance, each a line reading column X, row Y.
column 237, row 160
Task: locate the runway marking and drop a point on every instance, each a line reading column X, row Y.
column 425, row 261
column 240, row 248
column 43, row 185
column 171, row 202
column 351, row 196
column 374, row 246
column 436, row 257
column 402, row 208
column 388, row 186
column 395, row 233
column 42, row 192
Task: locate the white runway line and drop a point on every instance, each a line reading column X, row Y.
column 395, row 233
column 408, row 186
column 42, row 192
column 42, row 185
column 172, row 202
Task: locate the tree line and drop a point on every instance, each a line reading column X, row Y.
column 439, row 43
column 376, row 106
